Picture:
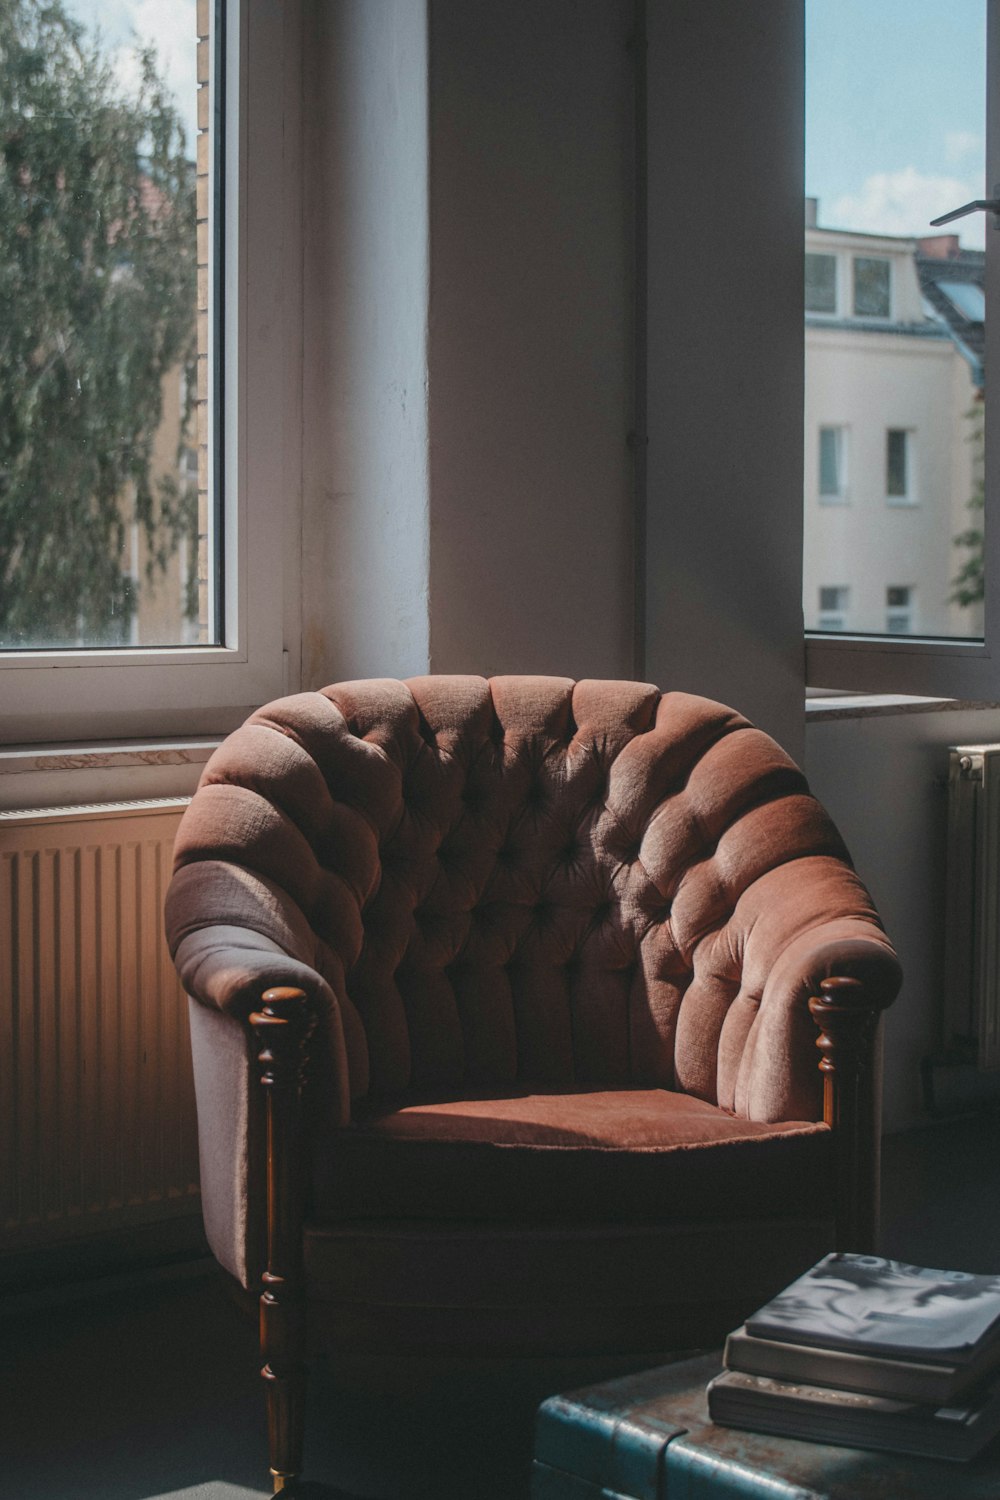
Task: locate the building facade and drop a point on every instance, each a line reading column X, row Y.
column 893, row 453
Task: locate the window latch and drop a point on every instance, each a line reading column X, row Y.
column 980, row 205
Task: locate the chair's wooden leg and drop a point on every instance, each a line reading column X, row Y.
column 847, row 1020
column 283, row 1026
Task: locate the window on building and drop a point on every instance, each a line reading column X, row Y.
column 871, row 286
column 100, row 267
column 831, row 464
column 123, row 601
column 898, row 464
column 899, row 609
column 833, row 604
column 821, row 283
column 967, row 297
column 905, row 372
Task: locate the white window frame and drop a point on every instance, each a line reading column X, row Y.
column 968, row 670
column 58, row 695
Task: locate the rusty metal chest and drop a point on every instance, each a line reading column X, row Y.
column 649, row 1437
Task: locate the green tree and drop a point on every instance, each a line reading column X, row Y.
column 968, row 583
column 97, row 304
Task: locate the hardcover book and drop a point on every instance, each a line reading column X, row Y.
column 820, row 1414
column 878, row 1375
column 863, row 1304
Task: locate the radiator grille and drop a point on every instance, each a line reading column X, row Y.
column 97, row 1121
column 972, row 905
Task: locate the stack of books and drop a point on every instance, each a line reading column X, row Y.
column 870, row 1353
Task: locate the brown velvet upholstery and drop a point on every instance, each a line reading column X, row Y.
column 561, row 939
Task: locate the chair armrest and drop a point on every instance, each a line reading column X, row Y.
column 818, row 1019
column 229, row 969
column 779, row 1076
column 233, row 934
column 258, row 941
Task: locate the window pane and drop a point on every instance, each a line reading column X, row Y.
column 871, row 287
column 896, row 466
column 967, row 298
column 895, row 136
column 103, row 355
column 821, row 283
column 829, row 461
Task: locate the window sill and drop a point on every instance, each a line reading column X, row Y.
column 833, row 705
column 43, row 776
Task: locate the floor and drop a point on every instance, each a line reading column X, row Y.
column 150, row 1391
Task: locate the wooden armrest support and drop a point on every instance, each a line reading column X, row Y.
column 283, row 1026
column 847, row 1018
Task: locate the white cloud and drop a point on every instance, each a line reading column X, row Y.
column 961, row 143
column 904, row 203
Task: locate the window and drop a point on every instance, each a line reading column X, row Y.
column 833, row 603
column 98, row 371
column 967, row 297
column 232, row 414
column 831, row 464
column 905, row 371
column 821, row 283
column 898, row 465
column 871, row 287
column 899, row 609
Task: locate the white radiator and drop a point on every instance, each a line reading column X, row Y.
column 972, row 905
column 97, row 1120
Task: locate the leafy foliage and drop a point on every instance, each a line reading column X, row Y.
column 97, row 304
column 968, row 583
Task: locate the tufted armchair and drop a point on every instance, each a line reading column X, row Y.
column 543, row 955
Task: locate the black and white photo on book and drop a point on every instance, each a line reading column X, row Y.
column 866, row 1304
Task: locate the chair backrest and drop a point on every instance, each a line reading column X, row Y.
column 528, row 879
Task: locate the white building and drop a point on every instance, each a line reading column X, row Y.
column 893, row 369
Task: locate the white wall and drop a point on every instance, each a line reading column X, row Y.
column 724, row 526
column 468, row 484
column 365, row 489
column 475, row 333
column 531, row 397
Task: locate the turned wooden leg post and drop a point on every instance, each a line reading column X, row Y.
column 847, row 1020
column 283, row 1026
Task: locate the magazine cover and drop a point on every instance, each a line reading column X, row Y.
column 867, row 1304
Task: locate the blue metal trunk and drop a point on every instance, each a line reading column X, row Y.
column 649, row 1437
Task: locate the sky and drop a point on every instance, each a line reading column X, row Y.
column 895, row 113
column 168, row 25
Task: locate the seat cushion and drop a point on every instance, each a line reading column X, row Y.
column 635, row 1155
